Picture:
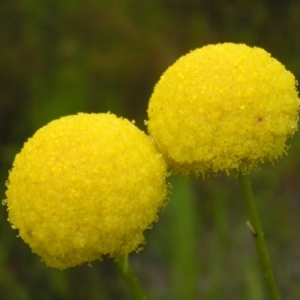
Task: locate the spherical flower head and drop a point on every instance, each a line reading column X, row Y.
column 85, row 186
column 223, row 107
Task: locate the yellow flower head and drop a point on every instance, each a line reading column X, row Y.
column 84, row 186
column 223, row 107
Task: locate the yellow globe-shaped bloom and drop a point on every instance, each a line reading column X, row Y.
column 84, row 186
column 223, row 107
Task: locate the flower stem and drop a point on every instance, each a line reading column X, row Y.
column 129, row 278
column 257, row 232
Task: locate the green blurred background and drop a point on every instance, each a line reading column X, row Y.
column 62, row 57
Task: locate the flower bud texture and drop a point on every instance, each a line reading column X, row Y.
column 85, row 186
column 223, row 107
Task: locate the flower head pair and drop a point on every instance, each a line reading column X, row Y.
column 88, row 185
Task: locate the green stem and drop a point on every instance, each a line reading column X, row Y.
column 258, row 235
column 186, row 225
column 129, row 278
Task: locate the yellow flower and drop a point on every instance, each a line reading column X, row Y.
column 85, row 186
column 223, row 107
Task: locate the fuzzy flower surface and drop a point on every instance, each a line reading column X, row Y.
column 223, row 107
column 85, row 186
